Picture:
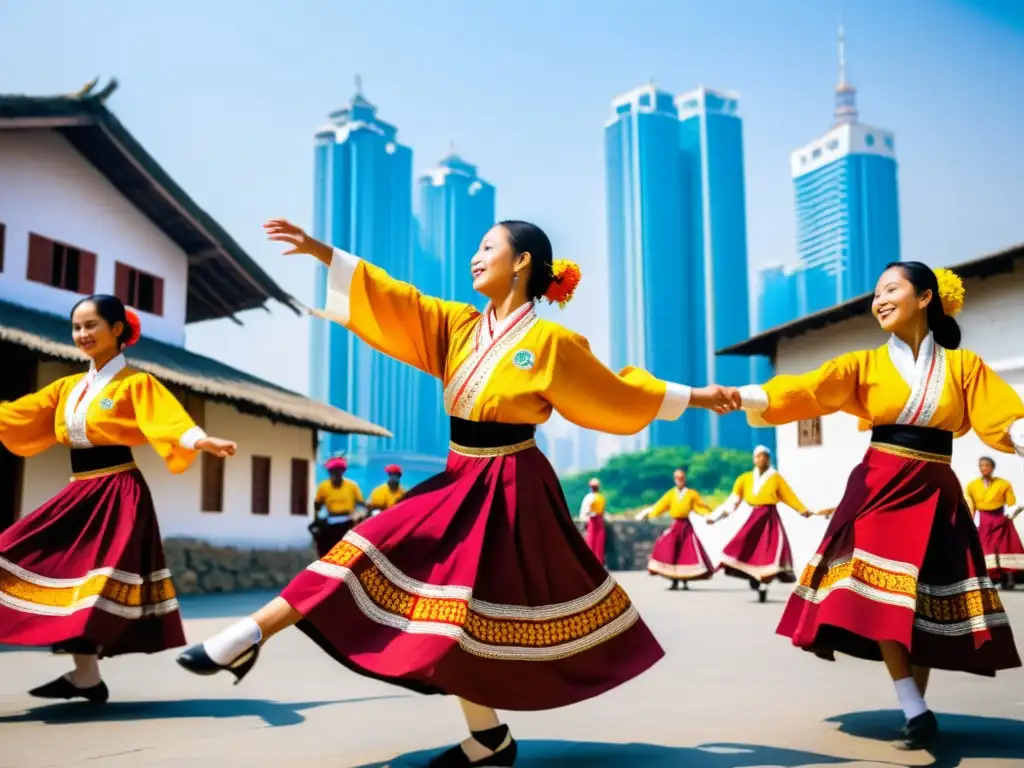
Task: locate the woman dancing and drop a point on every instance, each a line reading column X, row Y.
column 991, row 498
column 900, row 575
column 760, row 552
column 678, row 554
column 477, row 584
column 592, row 513
column 85, row 572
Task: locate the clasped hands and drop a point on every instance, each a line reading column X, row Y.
column 716, row 398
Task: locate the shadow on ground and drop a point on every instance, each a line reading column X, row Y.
column 273, row 713
column 961, row 737
column 583, row 754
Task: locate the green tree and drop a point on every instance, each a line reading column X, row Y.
column 631, row 480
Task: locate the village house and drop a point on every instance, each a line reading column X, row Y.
column 85, row 209
column 817, row 455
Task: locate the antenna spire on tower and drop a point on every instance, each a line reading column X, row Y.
column 359, row 85
column 846, row 94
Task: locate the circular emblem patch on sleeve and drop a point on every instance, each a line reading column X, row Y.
column 106, row 404
column 523, row 359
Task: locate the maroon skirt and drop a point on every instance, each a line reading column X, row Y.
column 760, row 551
column 901, row 561
column 85, row 572
column 596, row 530
column 477, row 584
column 1000, row 542
column 679, row 555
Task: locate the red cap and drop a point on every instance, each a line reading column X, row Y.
column 336, row 463
column 393, row 469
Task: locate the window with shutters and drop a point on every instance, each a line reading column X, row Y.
column 300, row 487
column 808, row 432
column 213, row 483
column 139, row 289
column 261, row 485
column 60, row 265
column 3, row 232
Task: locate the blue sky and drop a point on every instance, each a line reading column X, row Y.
column 226, row 95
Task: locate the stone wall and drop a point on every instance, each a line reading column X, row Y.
column 199, row 567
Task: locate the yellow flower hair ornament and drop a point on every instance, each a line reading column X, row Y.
column 565, row 276
column 951, row 290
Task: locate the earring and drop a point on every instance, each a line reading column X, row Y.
column 515, row 279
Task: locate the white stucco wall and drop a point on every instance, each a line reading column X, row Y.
column 177, row 497
column 48, row 188
column 991, row 327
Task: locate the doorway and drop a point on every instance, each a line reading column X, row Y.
column 19, row 379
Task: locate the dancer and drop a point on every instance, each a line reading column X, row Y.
column 477, row 584
column 678, row 554
column 592, row 512
column 337, row 506
column 990, row 499
column 85, row 572
column 386, row 495
column 760, row 551
column 900, row 575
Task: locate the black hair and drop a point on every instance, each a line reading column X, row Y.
column 524, row 237
column 944, row 328
column 990, row 461
column 111, row 309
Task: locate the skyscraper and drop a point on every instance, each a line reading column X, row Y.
column 711, row 134
column 847, row 204
column 677, row 248
column 363, row 204
column 651, row 272
column 457, row 209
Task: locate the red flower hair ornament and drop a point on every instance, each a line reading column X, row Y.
column 134, row 323
column 565, row 277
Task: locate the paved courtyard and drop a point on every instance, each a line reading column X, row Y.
column 728, row 694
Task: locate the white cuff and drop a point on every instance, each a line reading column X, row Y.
column 733, row 501
column 191, row 437
column 677, row 397
column 1017, row 436
column 753, row 398
column 339, row 285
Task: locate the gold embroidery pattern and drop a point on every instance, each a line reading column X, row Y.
column 104, row 472
column 481, row 453
column 97, row 586
column 908, row 453
column 672, row 571
column 494, row 631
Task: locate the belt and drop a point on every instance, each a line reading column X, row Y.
column 100, row 460
column 920, row 443
column 490, row 438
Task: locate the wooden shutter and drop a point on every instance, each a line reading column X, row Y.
column 86, row 273
column 122, row 278
column 808, row 433
column 213, row 483
column 40, row 259
column 158, row 296
column 300, row 487
column 260, row 485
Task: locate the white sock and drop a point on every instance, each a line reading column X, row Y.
column 228, row 645
column 911, row 700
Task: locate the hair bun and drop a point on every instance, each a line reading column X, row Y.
column 134, row 322
column 951, row 290
column 565, row 277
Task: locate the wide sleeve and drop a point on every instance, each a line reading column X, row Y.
column 993, row 408
column 390, row 315
column 1009, row 499
column 788, row 398
column 787, row 497
column 165, row 423
column 662, row 505
column 357, row 492
column 699, row 506
column 27, row 424
column 589, row 394
column 738, row 489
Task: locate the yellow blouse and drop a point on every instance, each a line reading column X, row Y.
column 382, row 497
column 679, row 505
column 987, row 498
column 116, row 405
column 946, row 389
column 593, row 505
column 767, row 488
column 515, row 371
column 340, row 500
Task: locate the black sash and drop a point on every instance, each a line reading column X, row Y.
column 489, row 434
column 919, row 439
column 100, row 458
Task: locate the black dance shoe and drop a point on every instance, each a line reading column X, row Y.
column 920, row 731
column 762, row 595
column 674, row 586
column 62, row 688
column 686, row 585
column 492, row 738
column 198, row 662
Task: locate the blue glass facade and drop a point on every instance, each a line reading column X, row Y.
column 363, row 204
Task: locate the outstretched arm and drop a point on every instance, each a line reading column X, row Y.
column 27, row 424
column 787, row 398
